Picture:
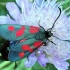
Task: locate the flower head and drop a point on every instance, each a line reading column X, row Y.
column 44, row 14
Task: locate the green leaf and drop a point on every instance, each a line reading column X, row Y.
column 50, row 67
column 3, row 10
column 6, row 1
column 37, row 67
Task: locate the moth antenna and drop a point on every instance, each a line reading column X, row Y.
column 55, row 20
column 57, row 37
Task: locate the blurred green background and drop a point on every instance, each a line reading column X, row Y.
column 7, row 65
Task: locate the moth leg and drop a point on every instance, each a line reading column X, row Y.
column 57, row 37
column 44, row 44
column 51, row 42
column 27, row 58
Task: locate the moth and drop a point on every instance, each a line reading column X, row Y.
column 25, row 39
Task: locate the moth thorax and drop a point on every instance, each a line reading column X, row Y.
column 39, row 36
column 48, row 34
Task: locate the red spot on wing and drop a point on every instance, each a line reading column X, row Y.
column 30, row 50
column 33, row 29
column 23, row 40
column 21, row 54
column 11, row 28
column 26, row 48
column 20, row 32
column 37, row 44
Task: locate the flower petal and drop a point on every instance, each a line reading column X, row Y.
column 39, row 2
column 61, row 65
column 30, row 61
column 19, row 2
column 42, row 60
column 13, row 10
column 10, row 20
column 25, row 6
column 62, row 29
column 3, row 20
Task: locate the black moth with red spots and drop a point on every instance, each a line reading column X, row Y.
column 26, row 38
